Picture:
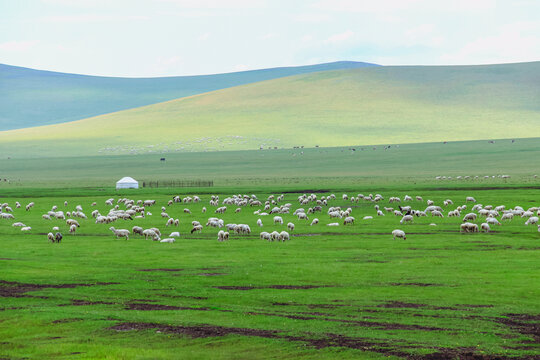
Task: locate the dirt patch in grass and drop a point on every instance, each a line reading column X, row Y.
column 183, row 297
column 161, row 269
column 18, row 289
column 68, row 320
column 151, row 307
column 525, row 324
column 6, row 259
column 211, row 274
column 361, row 323
column 399, row 304
column 415, row 284
column 80, row 302
column 328, row 340
column 279, row 287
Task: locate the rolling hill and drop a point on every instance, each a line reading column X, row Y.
column 33, row 97
column 402, row 104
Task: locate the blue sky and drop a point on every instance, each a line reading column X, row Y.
column 139, row 38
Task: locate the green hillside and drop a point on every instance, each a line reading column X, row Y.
column 31, row 97
column 374, row 105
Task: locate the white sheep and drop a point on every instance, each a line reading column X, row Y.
column 278, row 220
column 485, row 227
column 265, row 236
column 120, row 232
column 274, row 235
column 314, row 222
column 333, row 224
column 492, row 221
column 349, row 220
column 175, row 234
column 406, row 219
column 367, row 218
column 167, row 240
column 470, row 199
column 290, row 226
column 469, row 217
column 50, row 237
column 468, row 227
column 72, row 229
column 399, row 234
column 26, row 228
column 532, row 220
column 283, row 236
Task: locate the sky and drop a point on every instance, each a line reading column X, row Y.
column 147, row 38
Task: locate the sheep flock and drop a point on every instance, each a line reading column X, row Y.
column 128, row 218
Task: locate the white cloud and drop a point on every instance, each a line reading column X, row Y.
column 241, row 67
column 217, row 4
column 306, row 38
column 312, row 18
column 382, row 7
column 17, row 46
column 91, row 18
column 339, row 38
column 515, row 42
column 203, row 37
column 268, row 36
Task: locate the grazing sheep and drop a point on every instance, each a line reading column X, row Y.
column 55, row 228
column 532, row 220
column 175, row 234
column 187, row 211
column 493, row 221
column 333, row 224
column 265, row 236
column 507, row 216
column 367, row 218
column 406, row 219
column 468, row 227
column 349, row 220
column 58, row 237
column 137, row 230
column 167, row 240
column 485, row 227
column 283, row 236
column 196, row 228
column 203, row 209
column 469, row 217
column 399, row 234
column 436, row 213
column 72, row 229
column 274, row 236
column 169, row 222
column 18, row 224
column 302, row 216
column 314, row 222
column 278, row 220
column 259, row 222
column 120, row 232
column 290, row 226
column 50, row 237
column 470, row 199
column 26, row 228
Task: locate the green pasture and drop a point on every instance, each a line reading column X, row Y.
column 401, row 104
column 308, row 168
column 330, row 292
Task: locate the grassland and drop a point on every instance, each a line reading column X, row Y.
column 345, row 292
column 330, row 108
column 331, row 168
column 31, row 97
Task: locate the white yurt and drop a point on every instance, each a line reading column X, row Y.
column 127, row 183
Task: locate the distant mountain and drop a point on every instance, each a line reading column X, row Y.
column 376, row 105
column 33, row 97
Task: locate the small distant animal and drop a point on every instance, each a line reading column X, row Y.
column 162, row 159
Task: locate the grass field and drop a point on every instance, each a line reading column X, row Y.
column 330, row 168
column 332, row 108
column 31, row 97
column 330, row 292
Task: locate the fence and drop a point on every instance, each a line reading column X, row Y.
column 178, row 183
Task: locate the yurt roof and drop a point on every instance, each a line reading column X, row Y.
column 127, row 179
